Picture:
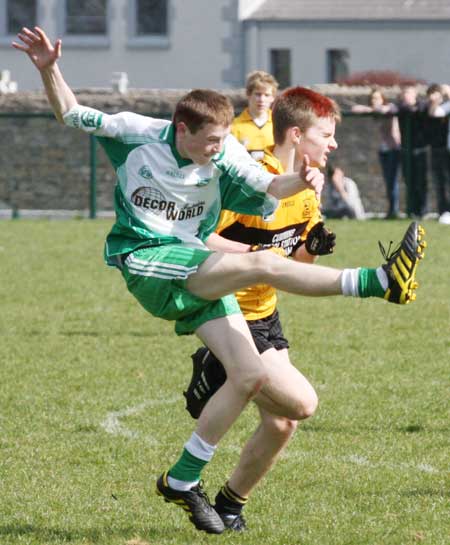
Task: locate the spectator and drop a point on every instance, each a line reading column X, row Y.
column 412, row 120
column 341, row 196
column 438, row 137
column 389, row 150
column 253, row 127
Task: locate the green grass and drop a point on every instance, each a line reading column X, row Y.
column 371, row 467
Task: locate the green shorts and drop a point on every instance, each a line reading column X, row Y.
column 157, row 276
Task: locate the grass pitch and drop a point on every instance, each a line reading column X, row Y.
column 92, row 411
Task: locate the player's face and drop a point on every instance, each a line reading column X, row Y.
column 318, row 141
column 202, row 145
column 260, row 99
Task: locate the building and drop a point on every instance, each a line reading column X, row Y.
column 318, row 41
column 214, row 43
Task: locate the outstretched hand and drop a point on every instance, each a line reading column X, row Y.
column 38, row 47
column 312, row 176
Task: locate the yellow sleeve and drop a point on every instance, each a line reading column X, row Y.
column 227, row 218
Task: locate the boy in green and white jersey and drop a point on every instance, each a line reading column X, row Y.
column 173, row 180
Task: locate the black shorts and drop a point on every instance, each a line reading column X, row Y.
column 267, row 333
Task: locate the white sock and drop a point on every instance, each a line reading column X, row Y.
column 200, row 448
column 349, row 282
column 180, row 485
column 382, row 278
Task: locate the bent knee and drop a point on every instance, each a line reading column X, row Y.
column 305, row 407
column 309, row 406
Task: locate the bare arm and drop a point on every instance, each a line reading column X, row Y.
column 221, row 244
column 44, row 56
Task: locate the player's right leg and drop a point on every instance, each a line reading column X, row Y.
column 230, row 339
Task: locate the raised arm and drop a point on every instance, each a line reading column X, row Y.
column 44, row 55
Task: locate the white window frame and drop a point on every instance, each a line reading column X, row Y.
column 5, row 38
column 83, row 40
column 161, row 41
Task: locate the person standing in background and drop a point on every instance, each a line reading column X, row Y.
column 438, row 135
column 389, row 150
column 253, row 127
column 412, row 120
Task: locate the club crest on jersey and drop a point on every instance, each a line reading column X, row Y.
column 145, row 172
column 91, row 119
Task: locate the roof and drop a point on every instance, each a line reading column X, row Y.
column 348, row 10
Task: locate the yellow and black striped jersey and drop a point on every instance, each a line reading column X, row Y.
column 255, row 139
column 287, row 228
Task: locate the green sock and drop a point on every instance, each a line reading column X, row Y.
column 188, row 468
column 368, row 284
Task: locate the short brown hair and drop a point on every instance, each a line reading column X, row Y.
column 203, row 106
column 300, row 107
column 258, row 78
column 434, row 88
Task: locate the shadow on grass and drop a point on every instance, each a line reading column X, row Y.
column 355, row 429
column 425, row 492
column 59, row 535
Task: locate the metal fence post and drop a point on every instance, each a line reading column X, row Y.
column 92, row 177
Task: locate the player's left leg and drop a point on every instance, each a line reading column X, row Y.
column 263, row 448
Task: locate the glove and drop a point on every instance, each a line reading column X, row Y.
column 274, row 249
column 320, row 241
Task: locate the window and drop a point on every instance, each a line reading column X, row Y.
column 86, row 17
column 337, row 64
column 280, row 66
column 151, row 17
column 15, row 14
column 149, row 23
column 84, row 23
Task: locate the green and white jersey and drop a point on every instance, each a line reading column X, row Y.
column 162, row 198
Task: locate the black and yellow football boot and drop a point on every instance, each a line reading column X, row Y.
column 402, row 264
column 195, row 502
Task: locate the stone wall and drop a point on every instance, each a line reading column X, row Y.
column 46, row 166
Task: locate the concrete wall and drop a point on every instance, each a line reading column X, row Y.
column 46, row 166
column 417, row 49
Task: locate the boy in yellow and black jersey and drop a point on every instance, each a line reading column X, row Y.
column 286, row 229
column 304, row 124
column 253, row 127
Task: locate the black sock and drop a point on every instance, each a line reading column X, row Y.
column 228, row 502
